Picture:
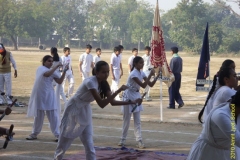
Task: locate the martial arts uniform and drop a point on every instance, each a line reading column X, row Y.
column 132, row 94
column 77, row 120
column 43, row 99
column 68, row 76
column 5, row 75
column 115, row 61
column 215, row 140
column 86, row 60
column 147, row 69
column 96, row 59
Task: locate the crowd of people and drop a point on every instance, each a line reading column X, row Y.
column 76, row 120
column 219, row 138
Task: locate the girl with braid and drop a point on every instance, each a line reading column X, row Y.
column 225, row 74
column 217, row 137
column 77, row 117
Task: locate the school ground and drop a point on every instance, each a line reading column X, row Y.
column 175, row 134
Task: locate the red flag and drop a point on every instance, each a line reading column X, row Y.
column 158, row 54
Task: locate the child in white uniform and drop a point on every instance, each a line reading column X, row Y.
column 43, row 98
column 224, row 73
column 58, row 87
column 66, row 60
column 219, row 133
column 146, row 69
column 130, row 59
column 115, row 69
column 77, row 118
column 97, row 57
column 135, row 82
column 86, row 63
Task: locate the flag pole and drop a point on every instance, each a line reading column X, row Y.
column 161, row 114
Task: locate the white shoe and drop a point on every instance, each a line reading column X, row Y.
column 9, row 100
column 140, row 144
column 31, row 137
column 121, row 143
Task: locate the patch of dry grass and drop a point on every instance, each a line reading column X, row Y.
column 28, row 59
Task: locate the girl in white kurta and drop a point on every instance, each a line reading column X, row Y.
column 58, row 87
column 214, row 142
column 228, row 81
column 77, row 118
column 43, row 98
column 214, row 87
column 135, row 81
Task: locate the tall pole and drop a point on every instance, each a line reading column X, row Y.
column 161, row 112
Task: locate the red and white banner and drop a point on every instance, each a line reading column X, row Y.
column 158, row 54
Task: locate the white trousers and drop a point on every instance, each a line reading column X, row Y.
column 85, row 75
column 70, row 79
column 61, row 92
column 126, row 122
column 52, row 116
column 86, row 137
column 6, row 83
column 115, row 82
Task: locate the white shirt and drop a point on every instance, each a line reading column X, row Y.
column 130, row 60
column 78, row 111
column 13, row 61
column 115, row 61
column 133, row 92
column 86, row 60
column 147, row 63
column 65, row 61
column 96, row 59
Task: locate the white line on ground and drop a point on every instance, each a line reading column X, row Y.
column 106, row 127
column 117, row 137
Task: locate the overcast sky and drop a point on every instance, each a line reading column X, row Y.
column 169, row 4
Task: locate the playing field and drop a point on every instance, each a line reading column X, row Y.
column 167, row 137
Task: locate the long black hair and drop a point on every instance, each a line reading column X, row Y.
column 223, row 73
column 135, row 61
column 45, row 58
column 54, row 52
column 103, row 86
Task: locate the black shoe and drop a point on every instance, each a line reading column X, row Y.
column 170, row 107
column 180, row 105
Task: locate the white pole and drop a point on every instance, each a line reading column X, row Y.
column 161, row 113
column 17, row 41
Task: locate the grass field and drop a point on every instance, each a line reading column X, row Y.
column 28, row 59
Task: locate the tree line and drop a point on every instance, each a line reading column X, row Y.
column 127, row 21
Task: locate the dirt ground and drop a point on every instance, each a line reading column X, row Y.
column 166, row 137
column 178, row 131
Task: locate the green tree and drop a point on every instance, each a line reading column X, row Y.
column 140, row 23
column 70, row 18
column 25, row 18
